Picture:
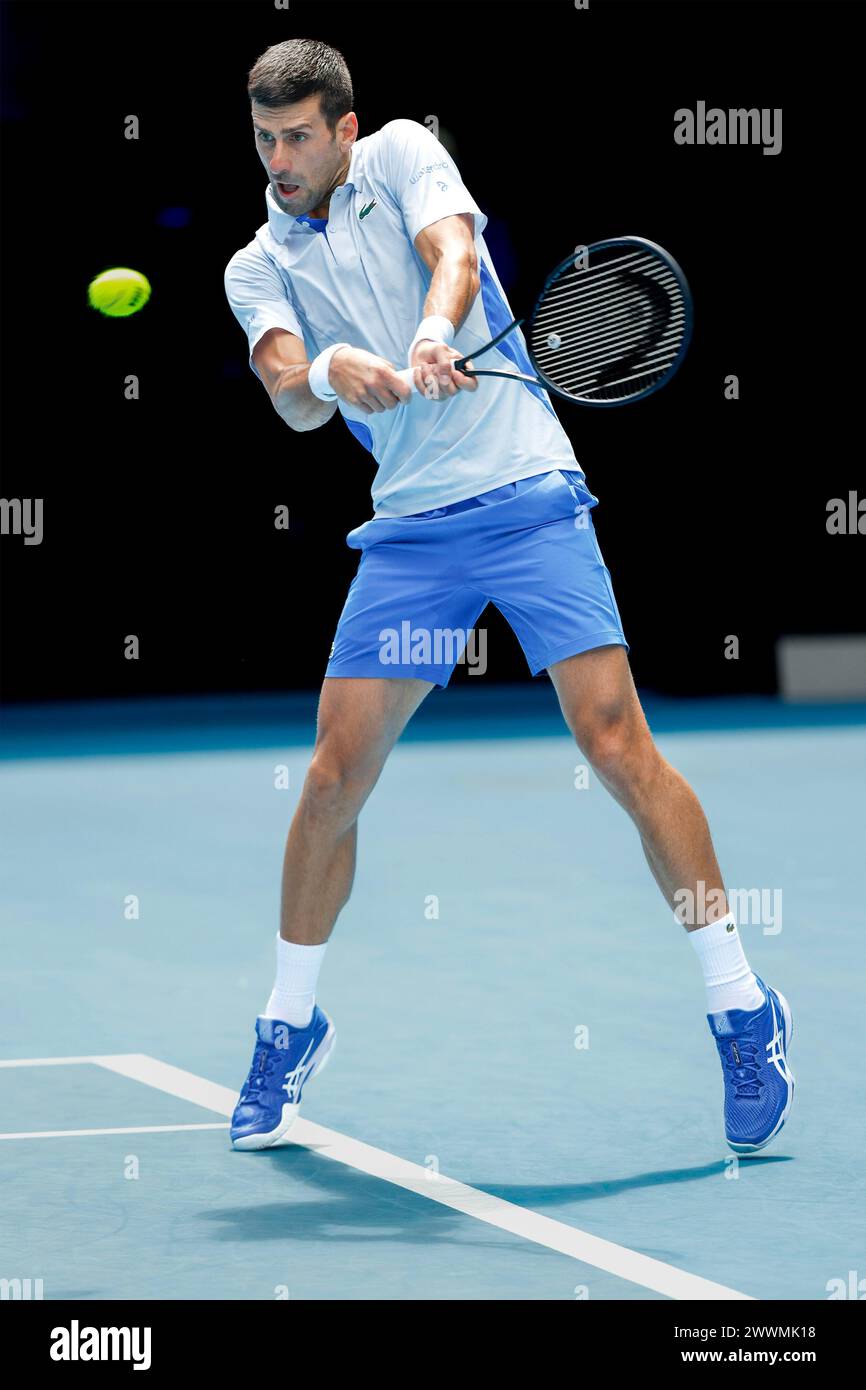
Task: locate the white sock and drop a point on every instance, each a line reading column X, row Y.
column 729, row 981
column 294, row 993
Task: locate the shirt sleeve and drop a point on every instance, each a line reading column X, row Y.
column 258, row 297
column 423, row 178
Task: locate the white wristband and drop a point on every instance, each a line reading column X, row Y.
column 317, row 380
column 435, row 327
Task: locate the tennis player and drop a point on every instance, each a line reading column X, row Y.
column 372, row 259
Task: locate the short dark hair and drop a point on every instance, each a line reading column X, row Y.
column 297, row 68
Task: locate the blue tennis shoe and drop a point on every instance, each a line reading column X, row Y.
column 283, row 1061
column 759, row 1084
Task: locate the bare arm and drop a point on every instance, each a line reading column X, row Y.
column 360, row 378
column 281, row 360
column 447, row 248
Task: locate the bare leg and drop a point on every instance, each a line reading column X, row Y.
column 600, row 704
column 358, row 724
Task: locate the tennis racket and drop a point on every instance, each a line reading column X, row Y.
column 610, row 326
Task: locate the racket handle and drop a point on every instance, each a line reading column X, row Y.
column 407, row 374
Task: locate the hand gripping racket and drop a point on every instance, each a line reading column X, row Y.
column 611, row 325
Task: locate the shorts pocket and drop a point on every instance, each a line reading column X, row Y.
column 576, row 484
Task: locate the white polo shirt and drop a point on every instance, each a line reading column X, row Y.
column 356, row 277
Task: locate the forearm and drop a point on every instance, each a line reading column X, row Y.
column 454, row 285
column 295, row 403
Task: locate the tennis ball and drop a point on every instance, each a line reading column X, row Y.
column 119, row 292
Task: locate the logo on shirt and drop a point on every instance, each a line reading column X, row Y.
column 369, row 208
column 442, row 164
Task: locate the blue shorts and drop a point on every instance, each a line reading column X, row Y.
column 529, row 548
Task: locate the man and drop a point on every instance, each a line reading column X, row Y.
column 373, row 257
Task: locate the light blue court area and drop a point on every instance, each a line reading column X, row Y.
column 459, row 1145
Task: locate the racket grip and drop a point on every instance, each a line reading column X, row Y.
column 407, row 374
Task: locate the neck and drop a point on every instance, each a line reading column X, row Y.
column 341, row 176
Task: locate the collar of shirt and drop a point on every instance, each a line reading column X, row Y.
column 283, row 224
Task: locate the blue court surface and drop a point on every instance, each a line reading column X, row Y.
column 525, row 1100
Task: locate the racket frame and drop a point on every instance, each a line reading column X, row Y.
column 640, row 243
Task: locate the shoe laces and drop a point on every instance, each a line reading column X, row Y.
column 741, row 1060
column 264, row 1061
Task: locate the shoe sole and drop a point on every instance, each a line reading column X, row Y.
column 749, row 1150
column 247, row 1143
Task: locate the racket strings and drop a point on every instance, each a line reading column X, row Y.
column 649, row 337
column 616, row 331
column 612, row 330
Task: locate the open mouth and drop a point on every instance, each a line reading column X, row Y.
column 287, row 189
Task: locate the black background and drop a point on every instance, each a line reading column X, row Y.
column 159, row 513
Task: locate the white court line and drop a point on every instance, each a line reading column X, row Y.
column 46, row 1061
column 506, row 1216
column 128, row 1129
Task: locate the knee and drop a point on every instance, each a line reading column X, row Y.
column 335, row 784
column 620, row 751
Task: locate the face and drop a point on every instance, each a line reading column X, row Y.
column 304, row 162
